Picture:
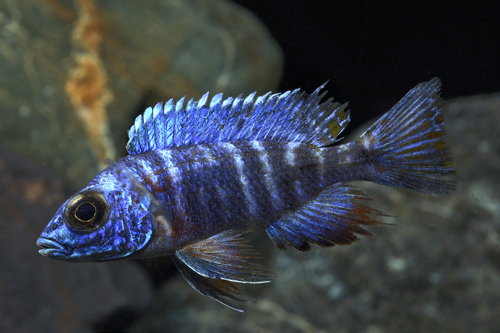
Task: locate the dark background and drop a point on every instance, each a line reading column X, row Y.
column 374, row 52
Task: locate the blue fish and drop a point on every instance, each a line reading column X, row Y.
column 202, row 173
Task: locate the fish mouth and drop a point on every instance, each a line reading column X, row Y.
column 50, row 248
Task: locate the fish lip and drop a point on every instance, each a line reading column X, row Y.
column 50, row 247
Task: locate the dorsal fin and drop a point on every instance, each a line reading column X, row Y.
column 292, row 116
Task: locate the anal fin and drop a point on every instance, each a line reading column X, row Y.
column 334, row 217
column 217, row 266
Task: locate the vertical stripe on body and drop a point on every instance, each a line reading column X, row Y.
column 291, row 153
column 269, row 182
column 290, row 157
column 318, row 154
column 300, row 171
column 200, row 169
column 173, row 175
column 235, row 154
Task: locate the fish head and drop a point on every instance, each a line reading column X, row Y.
column 111, row 218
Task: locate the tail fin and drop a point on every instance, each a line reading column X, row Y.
column 408, row 143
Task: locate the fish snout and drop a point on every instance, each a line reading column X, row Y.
column 51, row 248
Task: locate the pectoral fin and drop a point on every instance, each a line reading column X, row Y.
column 216, row 267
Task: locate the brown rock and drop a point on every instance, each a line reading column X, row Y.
column 74, row 75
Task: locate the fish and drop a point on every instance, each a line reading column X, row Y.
column 200, row 174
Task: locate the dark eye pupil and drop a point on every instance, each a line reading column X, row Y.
column 85, row 212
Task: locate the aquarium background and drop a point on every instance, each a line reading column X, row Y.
column 74, row 74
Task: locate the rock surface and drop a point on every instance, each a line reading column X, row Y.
column 75, row 74
column 435, row 270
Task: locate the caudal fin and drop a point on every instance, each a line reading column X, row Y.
column 407, row 143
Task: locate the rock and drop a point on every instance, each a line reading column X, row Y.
column 435, row 270
column 75, row 74
column 40, row 294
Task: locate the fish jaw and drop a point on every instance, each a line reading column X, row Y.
column 52, row 249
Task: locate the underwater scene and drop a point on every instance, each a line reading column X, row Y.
column 249, row 166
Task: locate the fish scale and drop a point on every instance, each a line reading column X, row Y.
column 200, row 174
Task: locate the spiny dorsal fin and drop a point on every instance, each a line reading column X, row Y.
column 292, row 116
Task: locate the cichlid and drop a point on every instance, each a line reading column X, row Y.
column 202, row 173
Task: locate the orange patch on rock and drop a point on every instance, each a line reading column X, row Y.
column 87, row 82
column 86, row 85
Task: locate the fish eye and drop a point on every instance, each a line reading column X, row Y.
column 86, row 211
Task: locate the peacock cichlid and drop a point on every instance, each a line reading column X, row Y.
column 202, row 173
